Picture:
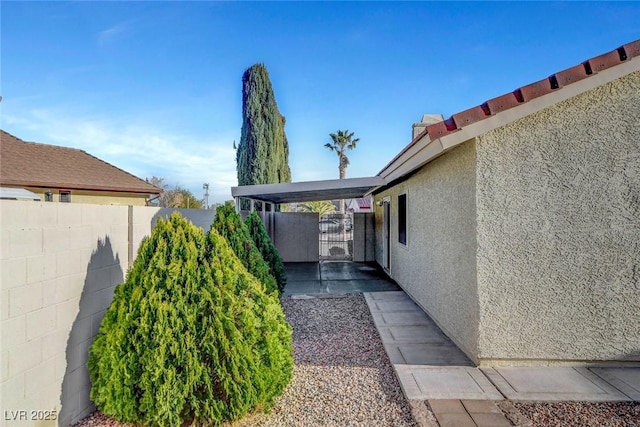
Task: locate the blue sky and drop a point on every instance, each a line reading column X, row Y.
column 155, row 87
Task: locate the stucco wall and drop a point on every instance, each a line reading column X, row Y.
column 437, row 266
column 558, row 206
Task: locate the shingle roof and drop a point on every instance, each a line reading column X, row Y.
column 520, row 96
column 41, row 165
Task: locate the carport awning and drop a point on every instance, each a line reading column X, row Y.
column 309, row 191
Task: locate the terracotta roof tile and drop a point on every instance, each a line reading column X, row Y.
column 607, row 60
column 571, row 75
column 531, row 91
column 504, row 102
column 471, row 115
column 537, row 89
column 632, row 49
column 436, row 130
column 50, row 166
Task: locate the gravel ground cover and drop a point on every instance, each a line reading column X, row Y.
column 582, row 414
column 343, row 377
column 342, row 374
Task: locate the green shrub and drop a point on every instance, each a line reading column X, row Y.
column 267, row 336
column 228, row 224
column 268, row 251
column 190, row 336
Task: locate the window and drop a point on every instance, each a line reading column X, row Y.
column 65, row 196
column 48, row 196
column 402, row 219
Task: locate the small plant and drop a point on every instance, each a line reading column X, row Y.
column 190, row 337
column 269, row 252
column 229, row 225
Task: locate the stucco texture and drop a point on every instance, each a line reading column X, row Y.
column 437, row 266
column 558, row 231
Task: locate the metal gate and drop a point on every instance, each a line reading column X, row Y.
column 336, row 236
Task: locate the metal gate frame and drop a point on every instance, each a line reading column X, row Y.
column 335, row 231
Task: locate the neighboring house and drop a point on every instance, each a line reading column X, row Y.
column 359, row 204
column 62, row 174
column 516, row 224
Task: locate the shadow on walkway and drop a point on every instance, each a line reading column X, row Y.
column 336, row 277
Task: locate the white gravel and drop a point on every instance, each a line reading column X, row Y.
column 342, row 374
column 581, row 414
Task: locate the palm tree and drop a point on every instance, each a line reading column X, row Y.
column 340, row 142
column 320, row 207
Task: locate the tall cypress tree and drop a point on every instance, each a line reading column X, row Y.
column 263, row 153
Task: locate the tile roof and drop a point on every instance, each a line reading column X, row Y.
column 526, row 93
column 364, row 202
column 50, row 166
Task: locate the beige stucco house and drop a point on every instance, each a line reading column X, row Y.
column 62, row 174
column 516, row 224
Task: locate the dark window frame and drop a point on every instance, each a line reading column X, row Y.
column 402, row 219
column 64, row 197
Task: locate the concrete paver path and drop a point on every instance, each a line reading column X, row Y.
column 553, row 384
column 432, row 368
column 427, row 363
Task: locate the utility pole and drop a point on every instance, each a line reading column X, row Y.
column 205, row 187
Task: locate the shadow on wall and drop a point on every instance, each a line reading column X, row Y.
column 103, row 274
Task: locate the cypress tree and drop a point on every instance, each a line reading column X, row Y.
column 190, row 336
column 268, row 251
column 229, row 225
column 263, row 153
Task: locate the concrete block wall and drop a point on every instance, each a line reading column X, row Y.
column 295, row 235
column 59, row 264
column 144, row 218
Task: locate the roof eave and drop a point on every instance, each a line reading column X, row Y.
column 309, row 190
column 423, row 149
column 72, row 186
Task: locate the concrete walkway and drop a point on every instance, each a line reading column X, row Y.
column 430, row 367
column 428, row 364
